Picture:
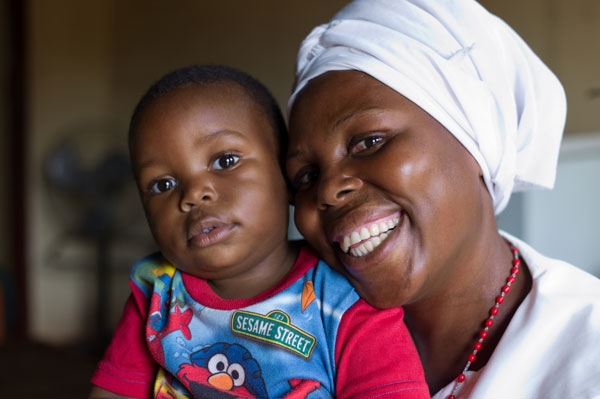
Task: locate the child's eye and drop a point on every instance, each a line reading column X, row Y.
column 364, row 144
column 159, row 186
column 225, row 161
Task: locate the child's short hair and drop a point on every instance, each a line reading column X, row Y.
column 211, row 74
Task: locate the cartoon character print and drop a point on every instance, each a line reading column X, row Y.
column 299, row 388
column 219, row 371
column 168, row 387
column 223, row 370
column 228, row 371
column 159, row 325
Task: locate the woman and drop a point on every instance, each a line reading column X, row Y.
column 411, row 123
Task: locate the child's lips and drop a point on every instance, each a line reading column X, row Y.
column 208, row 231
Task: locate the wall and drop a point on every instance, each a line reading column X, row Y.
column 70, row 85
column 564, row 222
column 5, row 137
column 561, row 224
column 565, row 35
column 90, row 61
column 89, row 64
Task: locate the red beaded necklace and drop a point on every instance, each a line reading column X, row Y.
column 516, row 262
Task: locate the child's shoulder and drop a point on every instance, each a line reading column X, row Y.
column 151, row 268
column 325, row 279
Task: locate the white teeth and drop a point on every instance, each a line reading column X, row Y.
column 364, row 233
column 374, row 229
column 359, row 251
column 369, row 238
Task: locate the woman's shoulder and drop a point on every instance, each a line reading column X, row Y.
column 558, row 277
column 550, row 347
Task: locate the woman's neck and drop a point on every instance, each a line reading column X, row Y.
column 445, row 326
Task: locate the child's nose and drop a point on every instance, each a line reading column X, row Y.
column 195, row 194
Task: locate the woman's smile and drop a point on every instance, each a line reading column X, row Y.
column 363, row 240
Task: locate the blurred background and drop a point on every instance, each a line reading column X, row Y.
column 70, row 221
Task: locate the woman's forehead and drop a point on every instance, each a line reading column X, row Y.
column 334, row 98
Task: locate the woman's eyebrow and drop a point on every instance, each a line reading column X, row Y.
column 344, row 119
column 354, row 114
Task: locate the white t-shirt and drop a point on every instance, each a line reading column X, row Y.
column 551, row 348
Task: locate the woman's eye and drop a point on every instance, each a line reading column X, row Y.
column 162, row 185
column 304, row 178
column 225, row 161
column 365, row 144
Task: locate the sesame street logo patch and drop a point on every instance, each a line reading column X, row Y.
column 274, row 328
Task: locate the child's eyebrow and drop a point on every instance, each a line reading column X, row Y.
column 208, row 138
column 213, row 136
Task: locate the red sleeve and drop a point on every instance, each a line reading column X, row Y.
column 376, row 357
column 127, row 367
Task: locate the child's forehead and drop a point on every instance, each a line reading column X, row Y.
column 217, row 89
column 216, row 97
column 205, row 108
column 202, row 109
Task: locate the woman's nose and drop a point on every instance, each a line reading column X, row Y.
column 335, row 188
column 196, row 193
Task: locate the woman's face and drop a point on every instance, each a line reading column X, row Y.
column 382, row 190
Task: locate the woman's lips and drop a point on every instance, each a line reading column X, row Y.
column 365, row 239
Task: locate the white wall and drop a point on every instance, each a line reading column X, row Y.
column 565, row 222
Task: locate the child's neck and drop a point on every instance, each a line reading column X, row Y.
column 253, row 284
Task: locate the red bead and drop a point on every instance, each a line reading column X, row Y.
column 493, row 312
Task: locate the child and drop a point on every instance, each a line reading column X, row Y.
column 230, row 308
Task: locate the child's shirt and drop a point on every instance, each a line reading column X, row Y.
column 311, row 336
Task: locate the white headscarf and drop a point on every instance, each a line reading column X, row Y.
column 462, row 65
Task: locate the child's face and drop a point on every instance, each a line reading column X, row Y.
column 205, row 158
